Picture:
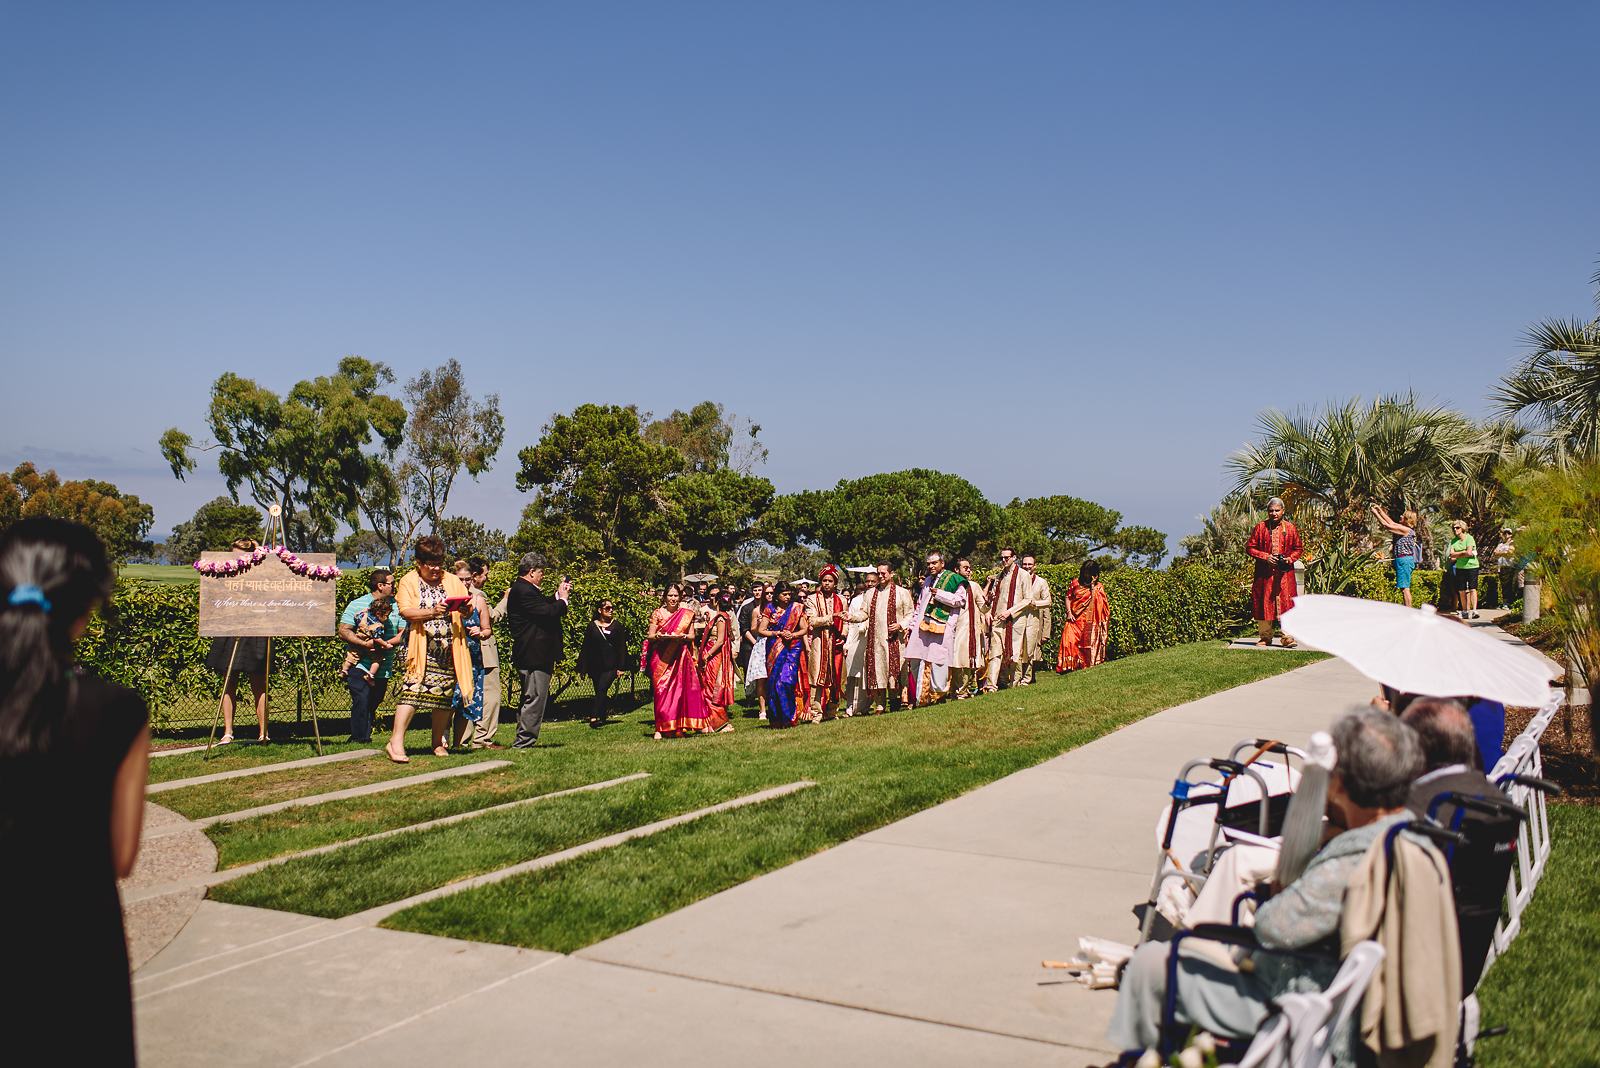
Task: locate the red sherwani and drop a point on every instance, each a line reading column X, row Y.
column 1273, row 589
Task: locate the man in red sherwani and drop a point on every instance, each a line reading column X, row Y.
column 1275, row 544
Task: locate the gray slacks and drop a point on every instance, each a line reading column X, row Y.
column 530, row 716
column 483, row 730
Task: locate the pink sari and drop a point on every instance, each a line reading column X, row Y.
column 675, row 678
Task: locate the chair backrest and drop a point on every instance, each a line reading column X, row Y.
column 1315, row 1019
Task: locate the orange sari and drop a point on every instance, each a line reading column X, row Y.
column 1084, row 635
column 716, row 670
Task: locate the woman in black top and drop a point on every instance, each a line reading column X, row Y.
column 604, row 652
column 74, row 752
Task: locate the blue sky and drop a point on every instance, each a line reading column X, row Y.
column 1052, row 247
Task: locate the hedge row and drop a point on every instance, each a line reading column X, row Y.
column 148, row 639
column 1156, row 609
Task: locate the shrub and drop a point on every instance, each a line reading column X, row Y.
column 1155, row 609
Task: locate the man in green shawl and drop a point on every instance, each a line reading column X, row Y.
column 928, row 649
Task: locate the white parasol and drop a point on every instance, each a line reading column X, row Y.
column 1418, row 651
column 701, row 577
column 862, row 570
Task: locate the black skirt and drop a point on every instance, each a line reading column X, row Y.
column 251, row 659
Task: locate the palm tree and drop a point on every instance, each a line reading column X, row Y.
column 1556, row 387
column 1337, row 462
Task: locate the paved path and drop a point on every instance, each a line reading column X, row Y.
column 916, row 944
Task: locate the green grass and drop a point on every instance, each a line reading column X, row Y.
column 1544, row 988
column 869, row 771
column 181, row 574
column 233, row 795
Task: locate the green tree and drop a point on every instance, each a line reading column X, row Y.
column 715, row 513
column 448, row 432
column 600, row 493
column 710, row 438
column 215, row 525
column 306, row 451
column 895, row 516
column 465, row 538
column 364, row 548
column 1558, row 518
column 1220, row 541
column 1556, row 387
column 1075, row 529
column 120, row 519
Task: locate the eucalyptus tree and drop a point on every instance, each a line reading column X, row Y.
column 1556, row 386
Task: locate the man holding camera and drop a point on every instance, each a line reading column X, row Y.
column 535, row 620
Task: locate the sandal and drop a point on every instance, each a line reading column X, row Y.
column 441, row 750
column 226, row 739
column 401, row 759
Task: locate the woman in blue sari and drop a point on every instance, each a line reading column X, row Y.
column 784, row 626
column 476, row 624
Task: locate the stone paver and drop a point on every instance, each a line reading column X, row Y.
column 918, row 943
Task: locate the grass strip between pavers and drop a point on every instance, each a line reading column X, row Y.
column 870, row 771
column 1544, row 987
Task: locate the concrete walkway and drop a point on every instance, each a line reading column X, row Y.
column 918, row 943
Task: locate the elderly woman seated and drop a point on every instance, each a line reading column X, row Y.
column 1379, row 758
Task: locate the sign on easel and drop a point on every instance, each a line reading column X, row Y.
column 266, row 599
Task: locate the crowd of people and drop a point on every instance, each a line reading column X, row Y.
column 816, row 650
column 806, row 651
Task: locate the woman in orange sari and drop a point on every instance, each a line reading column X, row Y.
column 1088, row 624
column 716, row 665
column 669, row 659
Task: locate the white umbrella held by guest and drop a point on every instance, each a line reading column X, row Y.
column 1419, row 651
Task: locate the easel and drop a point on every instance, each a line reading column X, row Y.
column 275, row 529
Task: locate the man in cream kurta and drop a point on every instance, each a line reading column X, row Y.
column 1012, row 607
column 970, row 626
column 1038, row 622
column 855, row 653
column 886, row 613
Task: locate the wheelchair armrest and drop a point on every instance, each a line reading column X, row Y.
column 1531, row 781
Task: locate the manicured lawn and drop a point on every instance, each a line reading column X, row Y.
column 178, row 573
column 1544, row 988
column 869, row 771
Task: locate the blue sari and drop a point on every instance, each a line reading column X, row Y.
column 787, row 686
column 472, row 710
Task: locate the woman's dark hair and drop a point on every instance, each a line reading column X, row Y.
column 478, row 564
column 1088, row 572
column 598, row 605
column 669, row 589
column 430, row 550
column 780, row 588
column 67, row 565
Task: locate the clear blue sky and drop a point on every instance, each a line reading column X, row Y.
column 1052, row 247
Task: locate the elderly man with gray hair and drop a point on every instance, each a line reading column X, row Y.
column 1275, row 546
column 535, row 621
column 1378, row 758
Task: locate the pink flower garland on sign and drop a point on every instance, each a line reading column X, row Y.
column 245, row 561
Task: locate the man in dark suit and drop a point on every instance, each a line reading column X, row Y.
column 535, row 620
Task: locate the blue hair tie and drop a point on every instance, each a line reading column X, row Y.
column 22, row 595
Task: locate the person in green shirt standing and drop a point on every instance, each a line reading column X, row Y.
column 1464, row 568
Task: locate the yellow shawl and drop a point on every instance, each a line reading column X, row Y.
column 408, row 598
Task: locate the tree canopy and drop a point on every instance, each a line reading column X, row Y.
column 306, row 450
column 120, row 519
column 216, row 524
column 1072, row 529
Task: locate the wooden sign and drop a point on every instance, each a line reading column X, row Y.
column 267, row 600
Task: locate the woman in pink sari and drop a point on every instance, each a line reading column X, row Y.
column 669, row 659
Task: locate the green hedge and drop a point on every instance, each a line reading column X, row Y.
column 148, row 639
column 1156, row 609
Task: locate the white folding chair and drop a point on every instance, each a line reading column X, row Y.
column 1314, row 1019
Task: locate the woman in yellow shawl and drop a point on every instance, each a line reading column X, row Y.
column 431, row 601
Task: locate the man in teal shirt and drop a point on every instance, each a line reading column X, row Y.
column 371, row 629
